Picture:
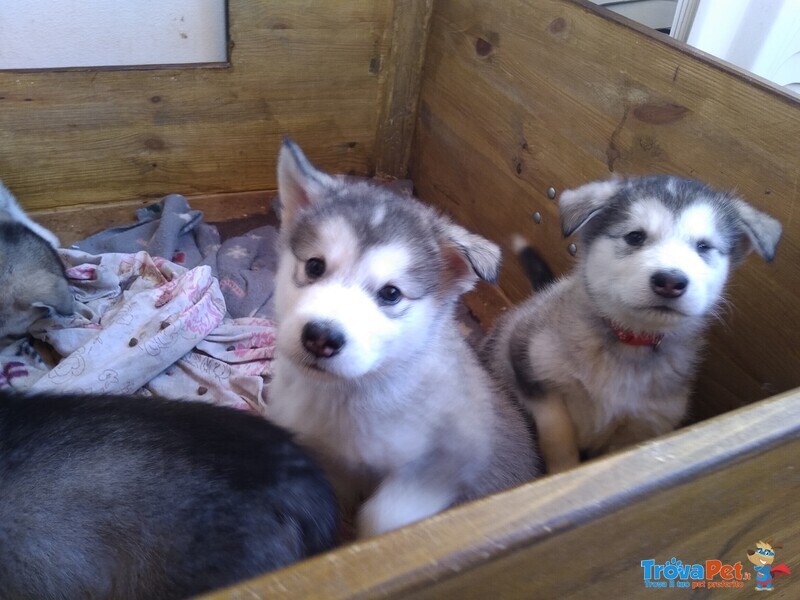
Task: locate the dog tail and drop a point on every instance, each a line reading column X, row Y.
column 536, row 268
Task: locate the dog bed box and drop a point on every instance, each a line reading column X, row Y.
column 490, row 108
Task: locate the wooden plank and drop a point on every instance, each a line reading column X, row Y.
column 486, row 304
column 401, row 80
column 524, row 95
column 307, row 69
column 716, row 517
column 708, row 492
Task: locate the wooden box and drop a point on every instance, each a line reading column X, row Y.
column 485, row 105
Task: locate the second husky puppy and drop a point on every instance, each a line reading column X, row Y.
column 31, row 273
column 605, row 357
column 32, row 278
column 371, row 371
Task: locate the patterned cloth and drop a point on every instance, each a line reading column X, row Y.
column 245, row 265
column 145, row 324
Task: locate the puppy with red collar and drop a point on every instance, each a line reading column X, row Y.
column 605, row 357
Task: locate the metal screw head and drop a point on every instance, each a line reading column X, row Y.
column 572, row 249
column 551, row 192
column 537, row 217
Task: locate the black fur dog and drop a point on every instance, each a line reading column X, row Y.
column 134, row 497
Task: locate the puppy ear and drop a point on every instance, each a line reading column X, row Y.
column 468, row 257
column 51, row 293
column 300, row 184
column 761, row 231
column 581, row 204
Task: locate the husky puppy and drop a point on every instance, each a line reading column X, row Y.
column 123, row 497
column 605, row 356
column 371, row 371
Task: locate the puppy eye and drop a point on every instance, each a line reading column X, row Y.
column 315, row 267
column 635, row 238
column 703, row 246
column 389, row 295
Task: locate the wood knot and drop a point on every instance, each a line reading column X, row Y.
column 483, row 47
column 557, row 25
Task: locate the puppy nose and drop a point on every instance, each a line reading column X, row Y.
column 322, row 339
column 669, row 284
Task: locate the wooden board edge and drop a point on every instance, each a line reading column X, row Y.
column 724, row 66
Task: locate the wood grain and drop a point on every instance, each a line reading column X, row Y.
column 307, row 69
column 708, row 492
column 402, row 75
column 538, row 94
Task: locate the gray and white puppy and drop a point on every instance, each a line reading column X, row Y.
column 31, row 273
column 371, row 371
column 605, row 357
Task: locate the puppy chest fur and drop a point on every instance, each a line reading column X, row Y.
column 557, row 344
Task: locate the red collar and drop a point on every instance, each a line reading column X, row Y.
column 631, row 338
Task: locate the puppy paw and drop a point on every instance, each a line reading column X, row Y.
column 400, row 503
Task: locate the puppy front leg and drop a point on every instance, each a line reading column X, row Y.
column 401, row 500
column 558, row 439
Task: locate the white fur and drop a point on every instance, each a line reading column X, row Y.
column 10, row 210
column 402, row 417
column 365, row 412
column 585, row 388
column 398, row 502
column 342, row 298
column 621, row 286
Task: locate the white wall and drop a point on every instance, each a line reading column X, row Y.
column 657, row 14
column 762, row 36
column 82, row 33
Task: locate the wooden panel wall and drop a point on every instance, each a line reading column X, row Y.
column 523, row 95
column 314, row 70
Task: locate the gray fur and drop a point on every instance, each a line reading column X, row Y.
column 519, row 359
column 404, row 417
column 31, row 273
column 130, row 498
column 32, row 279
column 596, row 207
column 558, row 354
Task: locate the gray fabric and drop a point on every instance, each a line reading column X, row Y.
column 245, row 265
